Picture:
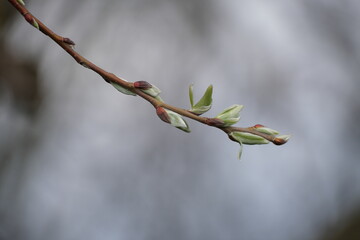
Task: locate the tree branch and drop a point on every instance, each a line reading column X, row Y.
column 257, row 134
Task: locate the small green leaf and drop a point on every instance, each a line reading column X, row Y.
column 177, row 121
column 122, row 89
column 230, row 115
column 200, row 110
column 231, row 121
column 159, row 98
column 153, row 91
column 173, row 118
column 206, row 99
column 248, row 138
column 267, row 130
column 191, row 95
column 204, row 104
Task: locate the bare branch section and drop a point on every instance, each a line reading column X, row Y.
column 224, row 121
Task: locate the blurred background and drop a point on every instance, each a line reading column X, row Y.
column 79, row 160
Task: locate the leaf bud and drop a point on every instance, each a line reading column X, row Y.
column 68, row 41
column 152, row 91
column 230, row 115
column 266, row 130
column 280, row 140
column 30, row 19
column 35, row 24
column 162, row 114
column 144, row 85
column 173, row 118
column 204, row 104
column 247, row 138
column 122, row 89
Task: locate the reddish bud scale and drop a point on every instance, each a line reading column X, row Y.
column 258, row 126
column 142, row 85
column 162, row 114
column 215, row 122
column 28, row 18
column 279, row 141
column 68, row 41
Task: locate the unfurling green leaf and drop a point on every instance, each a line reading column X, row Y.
column 152, row 91
column 122, row 89
column 177, row 121
column 230, row 115
column 248, row 138
column 204, row 104
column 173, row 118
column 263, row 129
column 191, row 95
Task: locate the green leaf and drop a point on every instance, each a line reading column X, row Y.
column 267, row 130
column 177, row 121
column 248, row 138
column 153, row 91
column 204, row 104
column 122, row 89
column 206, row 99
column 200, row 110
column 230, row 115
column 191, row 95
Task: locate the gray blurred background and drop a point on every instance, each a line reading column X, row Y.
column 79, row 160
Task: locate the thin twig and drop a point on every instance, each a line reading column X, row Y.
column 67, row 44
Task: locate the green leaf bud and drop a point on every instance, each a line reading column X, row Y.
column 177, row 121
column 152, row 91
column 162, row 114
column 35, row 24
column 204, row 104
column 191, row 95
column 122, row 89
column 263, row 129
column 230, row 115
column 173, row 118
column 247, row 138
